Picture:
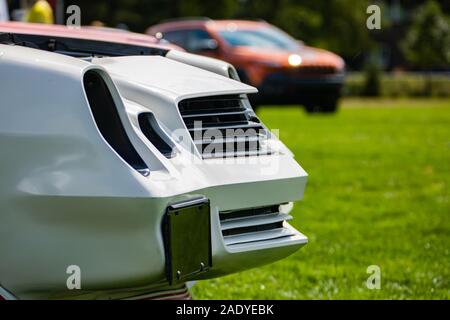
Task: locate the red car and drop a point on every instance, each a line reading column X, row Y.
column 285, row 70
column 86, row 33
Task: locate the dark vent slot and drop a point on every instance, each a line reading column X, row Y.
column 248, row 129
column 242, row 230
column 238, row 145
column 202, row 105
column 248, row 212
column 108, row 120
column 214, row 120
column 151, row 130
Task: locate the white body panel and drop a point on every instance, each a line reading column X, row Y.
column 214, row 65
column 67, row 198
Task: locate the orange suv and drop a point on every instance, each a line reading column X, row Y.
column 285, row 70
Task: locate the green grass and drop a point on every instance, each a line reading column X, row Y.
column 377, row 194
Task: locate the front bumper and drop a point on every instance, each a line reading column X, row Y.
column 288, row 88
column 118, row 243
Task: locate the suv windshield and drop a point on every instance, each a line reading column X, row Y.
column 270, row 38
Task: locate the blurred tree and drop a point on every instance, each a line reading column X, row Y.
column 139, row 15
column 427, row 43
column 338, row 25
column 372, row 83
column 213, row 9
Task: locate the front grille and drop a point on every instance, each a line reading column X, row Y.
column 316, row 70
column 222, row 126
column 241, row 227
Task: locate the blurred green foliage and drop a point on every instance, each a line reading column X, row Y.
column 337, row 25
column 398, row 85
column 372, row 85
column 427, row 42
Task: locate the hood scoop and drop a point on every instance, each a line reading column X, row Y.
column 171, row 76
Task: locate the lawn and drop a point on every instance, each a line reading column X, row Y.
column 377, row 194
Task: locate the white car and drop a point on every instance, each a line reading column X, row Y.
column 126, row 177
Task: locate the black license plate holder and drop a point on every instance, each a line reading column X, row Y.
column 187, row 240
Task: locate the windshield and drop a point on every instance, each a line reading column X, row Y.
column 270, row 38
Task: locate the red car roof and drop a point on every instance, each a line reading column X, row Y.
column 88, row 33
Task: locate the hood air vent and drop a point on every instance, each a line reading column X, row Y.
column 223, row 126
column 108, row 121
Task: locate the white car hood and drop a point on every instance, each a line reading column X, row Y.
column 175, row 78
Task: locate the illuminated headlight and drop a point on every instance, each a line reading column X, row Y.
column 295, row 60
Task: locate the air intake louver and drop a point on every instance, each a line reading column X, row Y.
column 222, row 126
column 253, row 225
column 108, row 120
column 154, row 134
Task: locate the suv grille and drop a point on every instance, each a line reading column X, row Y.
column 317, row 70
column 222, row 126
column 241, row 227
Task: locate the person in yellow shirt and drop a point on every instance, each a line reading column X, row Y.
column 40, row 12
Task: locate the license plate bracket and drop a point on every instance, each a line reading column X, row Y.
column 187, row 230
